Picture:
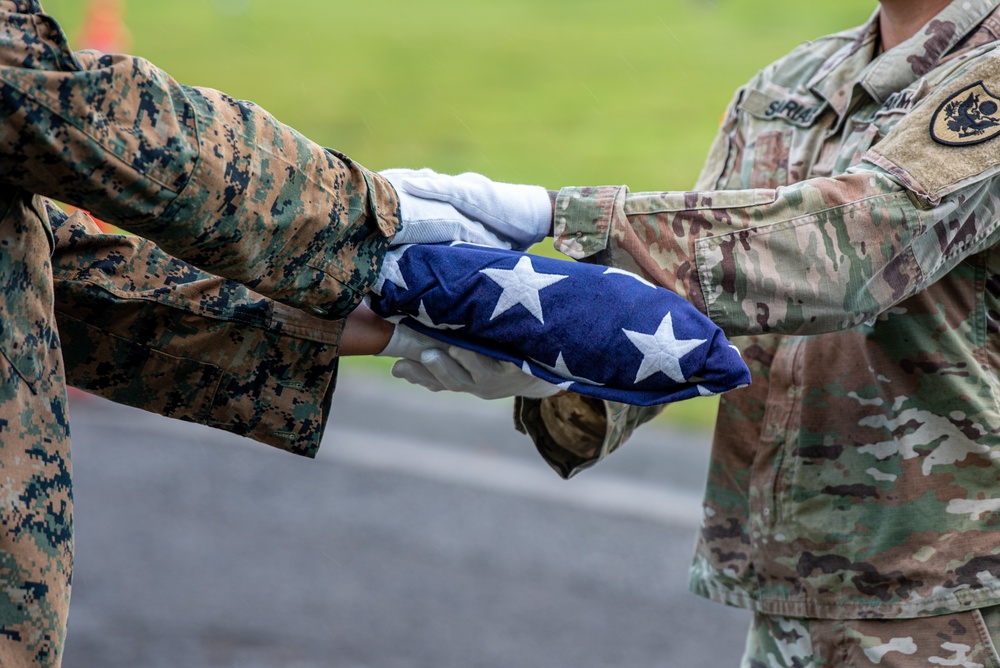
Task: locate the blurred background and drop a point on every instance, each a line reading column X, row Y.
column 428, row 533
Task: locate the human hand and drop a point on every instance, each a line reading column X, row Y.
column 430, row 221
column 461, row 370
column 518, row 214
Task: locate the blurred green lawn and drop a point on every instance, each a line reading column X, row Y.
column 553, row 92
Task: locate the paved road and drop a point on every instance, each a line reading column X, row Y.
column 428, row 533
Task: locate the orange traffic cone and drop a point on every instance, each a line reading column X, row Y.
column 104, row 27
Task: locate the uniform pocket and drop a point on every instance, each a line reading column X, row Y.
column 770, row 159
column 775, row 153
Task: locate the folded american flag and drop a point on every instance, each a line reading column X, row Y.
column 593, row 330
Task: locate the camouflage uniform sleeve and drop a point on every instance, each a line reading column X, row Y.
column 145, row 329
column 216, row 181
column 818, row 256
column 824, row 254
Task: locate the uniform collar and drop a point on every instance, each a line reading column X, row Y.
column 856, row 64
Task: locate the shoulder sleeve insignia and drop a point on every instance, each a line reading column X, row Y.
column 970, row 116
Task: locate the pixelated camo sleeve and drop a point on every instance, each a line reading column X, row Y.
column 145, row 329
column 215, row 181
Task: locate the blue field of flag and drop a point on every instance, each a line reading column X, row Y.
column 590, row 329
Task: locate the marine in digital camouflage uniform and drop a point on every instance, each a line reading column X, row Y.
column 845, row 229
column 297, row 231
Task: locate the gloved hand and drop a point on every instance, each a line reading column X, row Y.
column 429, row 221
column 518, row 214
column 461, row 370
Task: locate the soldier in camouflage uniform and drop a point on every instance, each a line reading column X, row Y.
column 297, row 231
column 846, row 229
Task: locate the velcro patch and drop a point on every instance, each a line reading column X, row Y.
column 970, row 116
column 943, row 144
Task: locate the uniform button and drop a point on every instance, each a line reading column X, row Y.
column 316, row 310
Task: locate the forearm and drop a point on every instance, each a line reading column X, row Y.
column 365, row 333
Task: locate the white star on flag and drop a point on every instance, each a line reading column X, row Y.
column 526, row 368
column 662, row 351
column 520, row 286
column 390, row 271
column 424, row 318
column 560, row 369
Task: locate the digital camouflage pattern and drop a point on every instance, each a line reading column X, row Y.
column 962, row 640
column 215, row 181
column 856, row 258
column 145, row 329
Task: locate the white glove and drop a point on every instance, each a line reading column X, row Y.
column 429, row 221
column 461, row 370
column 519, row 214
column 408, row 343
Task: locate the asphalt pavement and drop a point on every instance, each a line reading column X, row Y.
column 428, row 533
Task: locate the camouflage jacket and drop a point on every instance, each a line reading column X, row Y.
column 845, row 230
column 258, row 233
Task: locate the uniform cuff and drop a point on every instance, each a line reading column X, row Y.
column 270, row 381
column 349, row 259
column 571, row 432
column 383, row 203
column 584, row 218
column 286, row 404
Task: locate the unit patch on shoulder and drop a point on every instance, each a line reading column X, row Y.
column 970, row 116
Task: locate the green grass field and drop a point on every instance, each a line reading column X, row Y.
column 553, row 92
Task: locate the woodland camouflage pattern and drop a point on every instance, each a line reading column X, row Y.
column 856, row 259
column 212, row 180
